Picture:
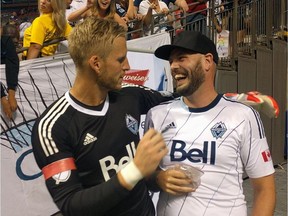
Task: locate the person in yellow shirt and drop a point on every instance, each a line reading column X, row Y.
column 50, row 25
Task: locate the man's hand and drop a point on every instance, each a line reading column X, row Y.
column 182, row 4
column 6, row 107
column 151, row 149
column 12, row 100
column 174, row 181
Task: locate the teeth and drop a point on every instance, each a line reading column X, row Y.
column 179, row 76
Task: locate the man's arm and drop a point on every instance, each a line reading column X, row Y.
column 264, row 196
column 80, row 13
column 12, row 71
column 150, row 150
column 62, row 175
column 182, row 4
column 131, row 12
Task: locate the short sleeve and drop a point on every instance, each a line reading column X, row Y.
column 37, row 32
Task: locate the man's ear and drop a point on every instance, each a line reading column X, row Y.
column 95, row 63
column 208, row 61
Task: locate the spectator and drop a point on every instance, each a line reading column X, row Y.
column 13, row 20
column 89, row 158
column 50, row 25
column 10, row 58
column 197, row 16
column 163, row 20
column 206, row 130
column 73, row 5
column 12, row 31
column 78, row 3
column 23, row 26
column 218, row 9
column 81, row 13
column 125, row 10
column 99, row 9
column 182, row 4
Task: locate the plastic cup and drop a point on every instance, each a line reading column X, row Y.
column 191, row 172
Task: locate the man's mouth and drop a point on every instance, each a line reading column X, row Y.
column 179, row 77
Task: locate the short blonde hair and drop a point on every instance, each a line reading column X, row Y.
column 94, row 36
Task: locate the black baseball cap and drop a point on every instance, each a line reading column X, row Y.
column 190, row 40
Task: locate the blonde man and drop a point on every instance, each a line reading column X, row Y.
column 85, row 143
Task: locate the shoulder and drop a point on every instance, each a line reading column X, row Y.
column 163, row 4
column 5, row 39
column 135, row 90
column 68, row 28
column 7, row 46
column 134, row 87
column 55, row 113
column 41, row 20
column 239, row 108
column 144, row 3
column 137, row 2
column 166, row 106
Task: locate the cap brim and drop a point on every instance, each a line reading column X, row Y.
column 164, row 51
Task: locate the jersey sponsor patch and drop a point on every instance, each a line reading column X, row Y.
column 109, row 164
column 266, row 155
column 218, row 130
column 179, row 152
column 58, row 167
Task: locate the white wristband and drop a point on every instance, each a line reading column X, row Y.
column 131, row 174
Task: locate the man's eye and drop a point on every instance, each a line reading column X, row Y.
column 121, row 60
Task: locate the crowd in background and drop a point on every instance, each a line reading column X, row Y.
column 139, row 17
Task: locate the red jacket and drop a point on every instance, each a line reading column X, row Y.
column 197, row 7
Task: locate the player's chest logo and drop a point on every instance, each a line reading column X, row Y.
column 132, row 124
column 218, row 130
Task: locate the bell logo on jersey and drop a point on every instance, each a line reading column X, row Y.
column 194, row 155
column 108, row 163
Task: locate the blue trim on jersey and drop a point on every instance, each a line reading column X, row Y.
column 259, row 123
column 206, row 108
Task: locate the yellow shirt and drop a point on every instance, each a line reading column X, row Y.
column 42, row 30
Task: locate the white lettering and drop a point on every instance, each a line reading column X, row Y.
column 108, row 163
column 106, row 167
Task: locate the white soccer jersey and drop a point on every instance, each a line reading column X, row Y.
column 223, row 139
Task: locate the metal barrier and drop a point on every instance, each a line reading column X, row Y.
column 251, row 24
